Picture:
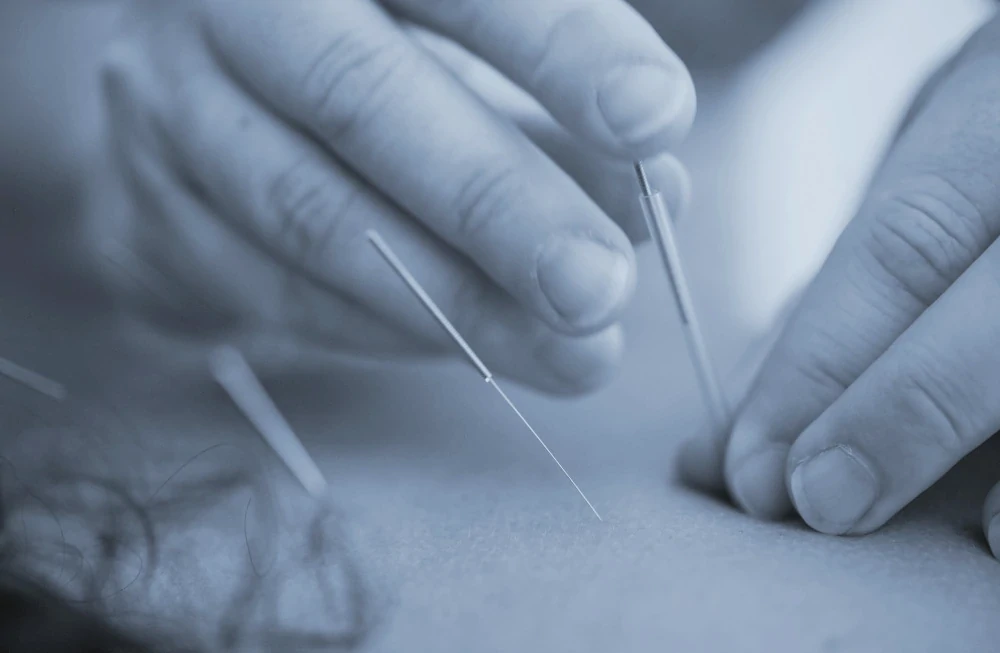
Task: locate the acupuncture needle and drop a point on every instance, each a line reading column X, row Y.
column 661, row 228
column 233, row 373
column 390, row 257
column 32, row 380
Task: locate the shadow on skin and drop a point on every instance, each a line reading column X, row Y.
column 952, row 504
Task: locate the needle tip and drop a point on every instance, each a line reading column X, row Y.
column 643, row 179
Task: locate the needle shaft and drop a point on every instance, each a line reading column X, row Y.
column 544, row 446
column 32, row 380
column 234, row 374
column 662, row 231
column 390, row 257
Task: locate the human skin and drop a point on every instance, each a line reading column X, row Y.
column 887, row 374
column 254, row 143
column 95, row 92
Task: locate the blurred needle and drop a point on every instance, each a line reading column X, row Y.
column 32, row 380
column 390, row 257
column 233, row 373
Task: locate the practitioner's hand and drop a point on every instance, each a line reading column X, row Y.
column 889, row 370
column 260, row 139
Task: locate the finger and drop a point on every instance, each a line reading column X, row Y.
column 991, row 520
column 928, row 401
column 930, row 213
column 481, row 78
column 596, row 65
column 610, row 181
column 174, row 264
column 700, row 461
column 347, row 74
column 284, row 197
column 177, row 275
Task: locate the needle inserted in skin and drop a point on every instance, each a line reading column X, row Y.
column 32, row 380
column 390, row 257
column 661, row 229
column 233, row 373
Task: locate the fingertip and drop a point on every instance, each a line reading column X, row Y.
column 699, row 464
column 586, row 281
column 649, row 108
column 755, row 466
column 993, row 536
column 991, row 520
column 834, row 489
column 757, row 484
column 578, row 366
column 671, row 178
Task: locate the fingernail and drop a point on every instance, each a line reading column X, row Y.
column 833, row 490
column 759, row 484
column 584, row 281
column 639, row 101
column 993, row 535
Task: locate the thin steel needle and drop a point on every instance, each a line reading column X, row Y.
column 661, row 228
column 510, row 403
column 390, row 257
column 234, row 374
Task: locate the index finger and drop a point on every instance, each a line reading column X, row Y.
column 596, row 65
column 345, row 73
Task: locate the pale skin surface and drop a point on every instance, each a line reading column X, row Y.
column 269, row 136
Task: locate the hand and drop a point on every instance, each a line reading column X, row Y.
column 258, row 141
column 888, row 372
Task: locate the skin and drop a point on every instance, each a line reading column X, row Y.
column 281, row 132
column 887, row 373
column 266, row 141
column 256, row 142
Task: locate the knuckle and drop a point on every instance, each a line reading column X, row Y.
column 309, row 213
column 925, row 239
column 351, row 81
column 818, row 368
column 812, row 355
column 484, row 198
column 585, row 17
column 932, row 403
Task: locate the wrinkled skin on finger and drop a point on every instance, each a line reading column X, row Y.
column 885, row 376
column 228, row 160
